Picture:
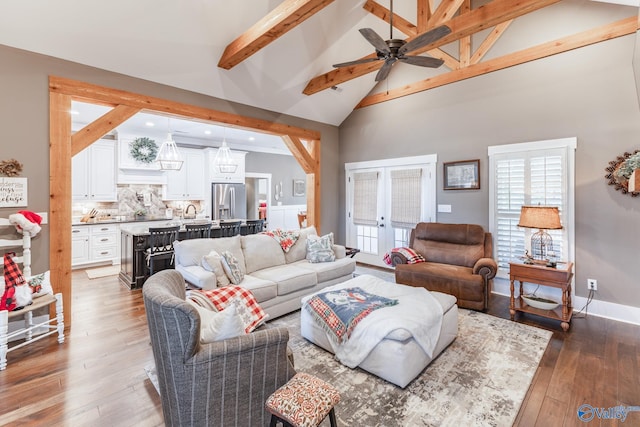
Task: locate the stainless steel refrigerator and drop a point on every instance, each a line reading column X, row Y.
column 228, row 201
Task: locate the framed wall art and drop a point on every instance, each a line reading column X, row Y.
column 298, row 187
column 462, row 175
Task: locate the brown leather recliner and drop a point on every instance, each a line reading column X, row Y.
column 459, row 262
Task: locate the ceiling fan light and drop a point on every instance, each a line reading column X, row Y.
column 223, row 160
column 168, row 156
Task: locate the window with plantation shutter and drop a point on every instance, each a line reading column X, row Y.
column 529, row 174
column 365, row 198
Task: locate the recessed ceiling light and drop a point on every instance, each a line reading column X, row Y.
column 149, row 124
column 252, row 138
column 74, row 112
column 207, row 132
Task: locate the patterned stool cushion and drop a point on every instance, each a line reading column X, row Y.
column 304, row 401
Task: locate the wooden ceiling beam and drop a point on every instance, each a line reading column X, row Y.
column 100, row 127
column 424, row 9
column 489, row 41
column 449, row 61
column 383, row 13
column 108, row 96
column 286, row 16
column 465, row 42
column 565, row 44
column 300, row 153
column 444, row 12
column 486, row 16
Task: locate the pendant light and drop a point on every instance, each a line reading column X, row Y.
column 168, row 156
column 223, row 160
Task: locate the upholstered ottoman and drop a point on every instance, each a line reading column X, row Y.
column 397, row 341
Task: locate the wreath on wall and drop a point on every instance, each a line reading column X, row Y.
column 620, row 170
column 10, row 167
column 143, row 150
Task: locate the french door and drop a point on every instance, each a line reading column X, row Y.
column 385, row 199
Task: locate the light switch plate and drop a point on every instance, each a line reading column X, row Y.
column 444, row 208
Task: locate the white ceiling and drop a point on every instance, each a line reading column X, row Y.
column 179, row 43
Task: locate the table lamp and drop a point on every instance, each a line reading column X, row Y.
column 543, row 218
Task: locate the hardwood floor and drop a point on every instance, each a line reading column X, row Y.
column 97, row 376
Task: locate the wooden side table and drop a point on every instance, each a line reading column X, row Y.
column 539, row 274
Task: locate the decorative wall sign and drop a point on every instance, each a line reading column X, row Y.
column 463, row 175
column 13, row 192
column 620, row 170
column 298, row 187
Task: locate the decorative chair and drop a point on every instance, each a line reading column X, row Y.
column 161, row 245
column 459, row 262
column 255, row 226
column 198, row 230
column 229, row 228
column 302, row 219
column 221, row 383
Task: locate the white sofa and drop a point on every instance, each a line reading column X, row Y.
column 278, row 280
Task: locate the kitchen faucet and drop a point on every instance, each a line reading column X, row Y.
column 186, row 211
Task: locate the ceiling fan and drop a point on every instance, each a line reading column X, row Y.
column 393, row 50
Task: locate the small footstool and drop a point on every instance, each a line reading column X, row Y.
column 304, row 401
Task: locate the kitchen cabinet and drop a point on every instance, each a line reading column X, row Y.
column 189, row 182
column 235, row 177
column 95, row 244
column 94, row 173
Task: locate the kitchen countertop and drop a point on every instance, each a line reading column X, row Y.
column 136, row 229
column 131, row 221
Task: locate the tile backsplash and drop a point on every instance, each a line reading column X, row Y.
column 135, row 197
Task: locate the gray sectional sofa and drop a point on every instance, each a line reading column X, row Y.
column 278, row 280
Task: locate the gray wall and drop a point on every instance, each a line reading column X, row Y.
column 24, row 120
column 282, row 168
column 588, row 93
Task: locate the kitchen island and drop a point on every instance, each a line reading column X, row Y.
column 135, row 242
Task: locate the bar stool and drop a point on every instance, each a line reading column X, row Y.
column 229, row 228
column 161, row 245
column 304, row 401
column 254, row 226
column 198, row 230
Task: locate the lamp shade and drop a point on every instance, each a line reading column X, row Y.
column 168, row 156
column 223, row 160
column 542, row 217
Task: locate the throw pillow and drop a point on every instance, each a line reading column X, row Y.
column 232, row 268
column 286, row 239
column 219, row 325
column 319, row 249
column 213, row 262
column 250, row 311
column 40, row 284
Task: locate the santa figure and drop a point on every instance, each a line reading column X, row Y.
column 26, row 221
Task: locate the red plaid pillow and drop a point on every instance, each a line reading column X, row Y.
column 252, row 314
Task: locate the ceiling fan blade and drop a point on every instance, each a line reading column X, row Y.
column 424, row 39
column 377, row 41
column 356, row 62
column 385, row 70
column 422, row 61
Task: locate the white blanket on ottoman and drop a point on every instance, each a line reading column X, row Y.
column 417, row 315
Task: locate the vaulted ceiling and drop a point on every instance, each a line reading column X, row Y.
column 277, row 54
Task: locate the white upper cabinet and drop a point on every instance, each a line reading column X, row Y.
column 94, row 173
column 188, row 183
column 235, row 177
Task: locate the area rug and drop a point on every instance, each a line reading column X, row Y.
column 481, row 379
column 95, row 273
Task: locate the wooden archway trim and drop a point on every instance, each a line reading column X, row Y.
column 63, row 145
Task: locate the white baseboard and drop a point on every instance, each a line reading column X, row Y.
column 608, row 310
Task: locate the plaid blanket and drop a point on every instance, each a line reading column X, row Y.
column 338, row 312
column 248, row 308
column 412, row 256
